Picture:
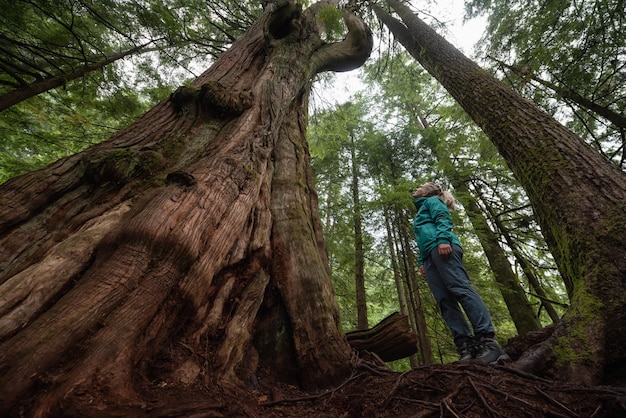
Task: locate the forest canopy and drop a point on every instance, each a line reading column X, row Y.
column 183, row 209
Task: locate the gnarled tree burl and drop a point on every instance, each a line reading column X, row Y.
column 187, row 246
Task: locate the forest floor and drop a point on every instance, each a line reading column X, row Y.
column 451, row 390
column 458, row 390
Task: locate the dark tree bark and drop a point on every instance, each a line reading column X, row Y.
column 391, row 339
column 577, row 196
column 193, row 234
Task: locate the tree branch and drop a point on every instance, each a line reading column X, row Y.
column 348, row 54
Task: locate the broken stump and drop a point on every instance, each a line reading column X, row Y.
column 391, row 339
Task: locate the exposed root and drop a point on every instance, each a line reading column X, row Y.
column 459, row 390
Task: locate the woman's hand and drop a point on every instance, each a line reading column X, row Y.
column 444, row 250
column 422, row 271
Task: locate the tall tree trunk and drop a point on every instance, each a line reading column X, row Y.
column 392, row 241
column 405, row 235
column 517, row 303
column 401, row 281
column 577, row 196
column 397, row 276
column 192, row 234
column 359, row 271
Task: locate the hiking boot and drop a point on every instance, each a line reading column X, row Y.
column 466, row 351
column 489, row 351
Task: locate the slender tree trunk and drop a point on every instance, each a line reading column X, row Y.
column 397, row 277
column 359, row 272
column 393, row 241
column 396, row 251
column 192, row 234
column 533, row 280
column 406, row 237
column 513, row 293
column 577, row 196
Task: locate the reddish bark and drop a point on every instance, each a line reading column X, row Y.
column 187, row 247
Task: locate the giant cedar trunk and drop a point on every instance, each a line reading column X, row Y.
column 578, row 198
column 187, row 245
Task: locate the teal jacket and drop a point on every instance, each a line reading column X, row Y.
column 432, row 225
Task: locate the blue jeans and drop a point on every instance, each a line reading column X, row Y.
column 451, row 287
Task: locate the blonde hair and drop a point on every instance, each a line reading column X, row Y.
column 433, row 189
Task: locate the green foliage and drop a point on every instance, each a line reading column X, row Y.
column 576, row 46
column 330, row 17
column 398, row 122
column 50, row 126
column 167, row 41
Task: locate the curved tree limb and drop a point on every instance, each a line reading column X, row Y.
column 348, row 54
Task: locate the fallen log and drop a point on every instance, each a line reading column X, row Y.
column 390, row 339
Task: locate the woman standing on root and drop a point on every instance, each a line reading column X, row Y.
column 441, row 261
